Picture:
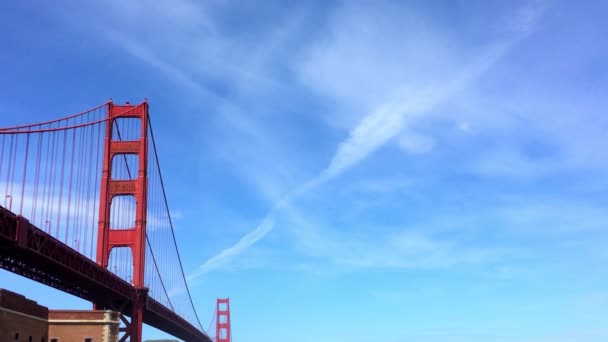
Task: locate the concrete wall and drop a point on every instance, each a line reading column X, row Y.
column 76, row 325
column 21, row 319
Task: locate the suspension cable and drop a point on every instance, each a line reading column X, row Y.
column 171, row 223
column 147, row 239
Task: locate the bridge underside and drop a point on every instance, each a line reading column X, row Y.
column 32, row 253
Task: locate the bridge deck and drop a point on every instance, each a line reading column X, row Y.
column 32, row 253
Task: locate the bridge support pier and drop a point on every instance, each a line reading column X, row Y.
column 133, row 326
column 131, row 315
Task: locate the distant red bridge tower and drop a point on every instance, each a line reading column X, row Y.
column 222, row 325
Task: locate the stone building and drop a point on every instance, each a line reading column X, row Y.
column 24, row 320
column 21, row 319
column 83, row 326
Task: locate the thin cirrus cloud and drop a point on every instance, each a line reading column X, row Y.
column 400, row 99
column 376, row 129
column 210, row 54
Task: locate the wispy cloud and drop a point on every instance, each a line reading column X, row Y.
column 153, row 59
column 373, row 131
column 245, row 242
column 425, row 245
column 397, row 90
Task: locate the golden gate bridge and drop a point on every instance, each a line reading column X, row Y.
column 85, row 211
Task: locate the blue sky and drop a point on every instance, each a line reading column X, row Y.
column 354, row 171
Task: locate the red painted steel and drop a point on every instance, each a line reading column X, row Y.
column 222, row 323
column 134, row 238
column 30, row 252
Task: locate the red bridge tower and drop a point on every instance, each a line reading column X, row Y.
column 135, row 237
column 222, row 325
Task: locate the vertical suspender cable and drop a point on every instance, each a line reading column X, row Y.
column 61, row 177
column 8, row 168
column 67, row 225
column 27, row 152
column 2, row 155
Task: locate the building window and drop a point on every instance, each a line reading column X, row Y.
column 88, row 339
column 54, row 340
column 30, row 339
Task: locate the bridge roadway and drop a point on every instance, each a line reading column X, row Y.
column 30, row 252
